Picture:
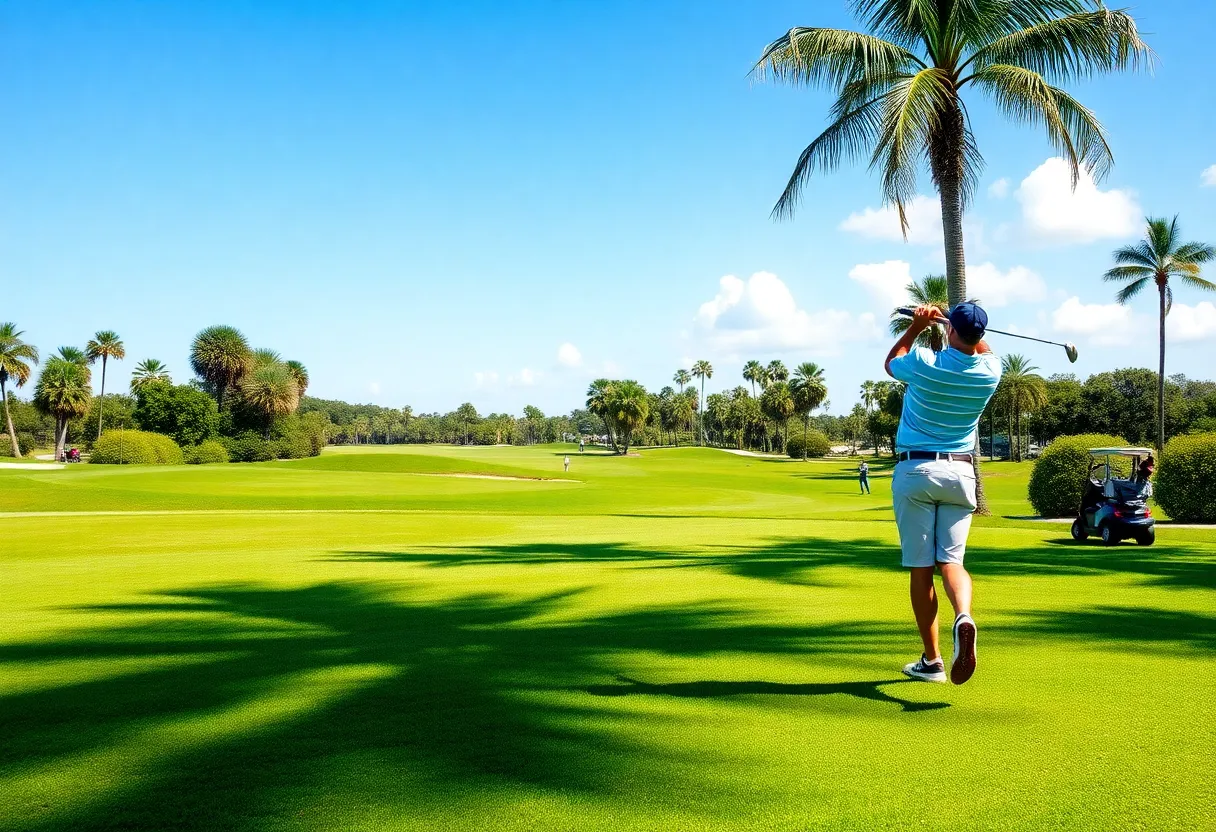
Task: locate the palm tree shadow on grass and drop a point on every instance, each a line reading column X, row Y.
column 454, row 697
column 796, row 560
column 715, row 689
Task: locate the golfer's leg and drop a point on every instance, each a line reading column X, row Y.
column 952, row 529
column 957, row 584
column 924, row 607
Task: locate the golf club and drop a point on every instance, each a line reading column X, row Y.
column 1069, row 349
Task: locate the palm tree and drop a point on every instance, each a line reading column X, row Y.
column 598, row 394
column 754, row 372
column 300, row 373
column 467, row 413
column 16, row 356
column 1024, row 390
column 702, row 370
column 148, row 371
column 777, row 403
column 270, row 388
column 776, row 371
column 930, row 290
column 75, row 355
column 681, row 378
column 899, row 101
column 628, row 409
column 220, row 355
column 104, row 345
column 809, row 392
column 1156, row 259
column 63, row 392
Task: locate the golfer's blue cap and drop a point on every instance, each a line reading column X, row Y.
column 969, row 320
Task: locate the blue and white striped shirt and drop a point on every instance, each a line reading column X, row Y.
column 947, row 392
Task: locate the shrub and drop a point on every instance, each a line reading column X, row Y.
column 248, row 447
column 183, row 412
column 1059, row 474
column 817, row 444
column 292, row 446
column 135, row 447
column 206, row 453
column 1186, row 478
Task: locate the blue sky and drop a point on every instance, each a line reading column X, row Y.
column 429, row 203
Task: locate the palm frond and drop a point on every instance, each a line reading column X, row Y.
column 1131, row 290
column 1137, row 255
column 1161, row 237
column 905, row 22
column 851, row 135
column 1194, row 252
column 1193, row 280
column 830, row 57
column 1121, row 273
column 911, row 112
column 1073, row 46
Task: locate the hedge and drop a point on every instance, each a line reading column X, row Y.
column 248, row 447
column 135, row 447
column 817, row 445
column 1185, row 482
column 205, row 453
column 1059, row 474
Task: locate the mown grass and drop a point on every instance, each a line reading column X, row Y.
column 684, row 640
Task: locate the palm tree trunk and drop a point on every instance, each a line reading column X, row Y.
column 8, row 419
column 806, row 419
column 1161, row 375
column 1019, row 418
column 61, row 436
column 701, row 414
column 101, row 402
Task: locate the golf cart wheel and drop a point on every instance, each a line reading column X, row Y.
column 1109, row 538
column 1147, row 537
column 1079, row 532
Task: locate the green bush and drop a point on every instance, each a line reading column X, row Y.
column 248, row 447
column 205, row 453
column 817, row 445
column 292, row 446
column 182, row 412
column 135, row 447
column 1059, row 474
column 1185, row 482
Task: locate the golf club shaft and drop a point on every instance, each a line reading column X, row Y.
column 907, row 310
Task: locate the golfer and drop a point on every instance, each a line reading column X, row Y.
column 566, row 464
column 863, row 475
column 933, row 486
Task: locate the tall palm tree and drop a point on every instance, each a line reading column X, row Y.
column 104, row 345
column 74, row 355
column 702, row 370
column 1023, row 390
column 269, row 388
column 809, row 391
column 220, row 355
column 776, row 371
column 628, row 409
column 754, row 372
column 300, row 373
column 16, row 356
column 148, row 371
column 681, row 378
column 899, row 92
column 63, row 392
column 598, row 394
column 1157, row 258
column 869, row 395
column 930, row 290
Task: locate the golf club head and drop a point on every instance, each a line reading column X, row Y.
column 1070, row 350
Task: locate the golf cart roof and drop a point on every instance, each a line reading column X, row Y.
column 1120, row 451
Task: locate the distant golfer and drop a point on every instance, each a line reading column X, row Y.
column 580, row 445
column 933, row 486
column 566, row 464
column 863, row 476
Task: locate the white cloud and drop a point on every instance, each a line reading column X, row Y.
column 761, row 313
column 1105, row 324
column 1191, row 323
column 374, row 388
column 996, row 288
column 887, row 283
column 569, row 356
column 524, row 378
column 924, row 222
column 1208, row 177
column 485, row 379
column 999, row 189
column 1054, row 212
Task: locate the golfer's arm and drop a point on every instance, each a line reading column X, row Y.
column 982, row 347
column 903, row 346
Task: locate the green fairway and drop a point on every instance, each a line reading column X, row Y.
column 441, row 638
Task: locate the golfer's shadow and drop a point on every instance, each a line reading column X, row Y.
column 713, row 689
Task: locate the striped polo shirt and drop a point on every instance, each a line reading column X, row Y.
column 946, row 393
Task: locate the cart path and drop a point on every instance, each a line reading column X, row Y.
column 1165, row 524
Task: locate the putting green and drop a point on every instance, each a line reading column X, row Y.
column 683, row 640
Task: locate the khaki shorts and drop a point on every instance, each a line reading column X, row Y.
column 934, row 500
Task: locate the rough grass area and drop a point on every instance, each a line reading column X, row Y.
column 687, row 640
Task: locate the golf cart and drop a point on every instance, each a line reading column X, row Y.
column 1113, row 507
